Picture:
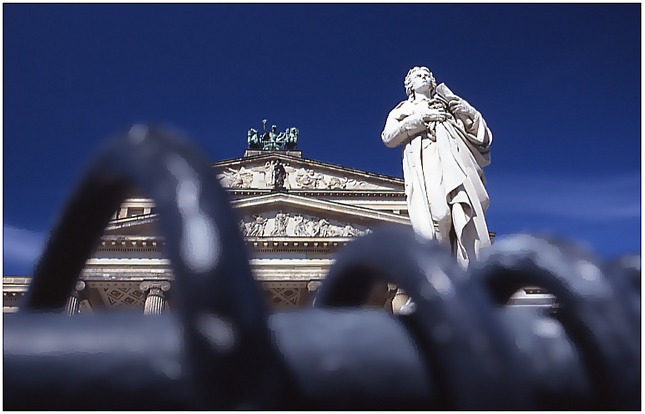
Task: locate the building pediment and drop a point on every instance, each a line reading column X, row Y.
column 280, row 214
column 137, row 226
column 257, row 172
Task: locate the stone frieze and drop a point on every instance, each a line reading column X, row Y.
column 282, row 224
column 261, row 177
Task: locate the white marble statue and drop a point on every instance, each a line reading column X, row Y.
column 445, row 146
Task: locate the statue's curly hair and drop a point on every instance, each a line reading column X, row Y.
column 408, row 79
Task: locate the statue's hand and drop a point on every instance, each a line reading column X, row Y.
column 435, row 116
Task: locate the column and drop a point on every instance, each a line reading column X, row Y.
column 312, row 288
column 74, row 300
column 155, row 297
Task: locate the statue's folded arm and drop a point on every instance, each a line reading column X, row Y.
column 397, row 131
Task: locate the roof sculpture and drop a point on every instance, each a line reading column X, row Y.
column 271, row 140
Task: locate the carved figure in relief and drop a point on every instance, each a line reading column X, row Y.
column 236, row 178
column 308, row 178
column 342, row 183
column 224, row 178
column 321, row 229
column 280, row 224
column 352, row 183
column 267, row 172
column 349, row 231
column 446, row 145
column 301, row 226
column 256, row 227
column 335, row 182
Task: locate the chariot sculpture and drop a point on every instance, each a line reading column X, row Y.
column 270, row 140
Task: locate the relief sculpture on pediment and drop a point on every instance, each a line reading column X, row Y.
column 300, row 228
column 283, row 224
column 349, row 231
column 280, row 224
column 288, row 177
column 307, row 178
column 265, row 174
column 336, row 183
column 322, row 228
column 241, row 178
column 256, row 227
column 262, row 176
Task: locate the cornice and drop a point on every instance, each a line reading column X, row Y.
column 131, row 243
column 299, row 244
column 321, row 193
column 268, row 201
column 131, row 221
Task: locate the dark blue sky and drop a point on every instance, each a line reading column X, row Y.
column 559, row 86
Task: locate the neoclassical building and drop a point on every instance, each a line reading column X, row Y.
column 294, row 212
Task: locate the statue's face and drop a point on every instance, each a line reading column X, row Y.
column 421, row 81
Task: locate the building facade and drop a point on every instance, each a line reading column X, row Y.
column 295, row 214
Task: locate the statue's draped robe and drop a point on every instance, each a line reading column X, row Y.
column 442, row 168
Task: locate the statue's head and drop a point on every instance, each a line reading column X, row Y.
column 417, row 76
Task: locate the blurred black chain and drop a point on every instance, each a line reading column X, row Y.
column 461, row 349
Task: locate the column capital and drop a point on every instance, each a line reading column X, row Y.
column 78, row 288
column 73, row 301
column 155, row 301
column 313, row 285
column 148, row 285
